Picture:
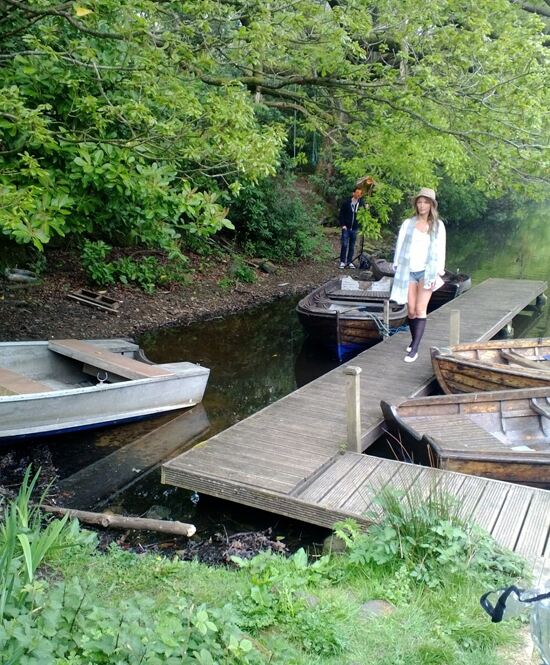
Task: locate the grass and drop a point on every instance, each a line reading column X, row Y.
column 269, row 610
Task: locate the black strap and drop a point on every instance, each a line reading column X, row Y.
column 497, row 612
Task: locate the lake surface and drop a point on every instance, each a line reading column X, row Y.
column 260, row 356
column 489, row 251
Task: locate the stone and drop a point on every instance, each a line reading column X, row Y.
column 267, row 267
column 376, row 608
column 333, row 545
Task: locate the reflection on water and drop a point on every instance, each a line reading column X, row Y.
column 255, row 358
column 519, row 249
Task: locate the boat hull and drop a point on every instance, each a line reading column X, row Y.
column 466, row 368
column 344, row 325
column 501, row 435
column 71, row 409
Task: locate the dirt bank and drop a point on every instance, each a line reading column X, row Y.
column 43, row 310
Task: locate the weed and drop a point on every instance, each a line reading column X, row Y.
column 428, row 536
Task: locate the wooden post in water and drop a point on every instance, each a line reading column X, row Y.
column 386, row 330
column 353, row 410
column 454, row 327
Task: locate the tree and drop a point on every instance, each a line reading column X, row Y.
column 141, row 120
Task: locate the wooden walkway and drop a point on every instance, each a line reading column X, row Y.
column 290, row 459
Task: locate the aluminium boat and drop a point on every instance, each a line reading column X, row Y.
column 56, row 386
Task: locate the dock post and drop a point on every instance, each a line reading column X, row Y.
column 353, row 408
column 454, row 327
column 386, row 329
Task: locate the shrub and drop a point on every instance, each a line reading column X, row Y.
column 272, row 221
column 428, row 536
column 146, row 273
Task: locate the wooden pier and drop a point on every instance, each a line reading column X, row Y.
column 290, row 458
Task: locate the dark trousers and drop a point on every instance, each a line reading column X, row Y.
column 347, row 245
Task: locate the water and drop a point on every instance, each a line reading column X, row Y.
column 491, row 251
column 260, row 356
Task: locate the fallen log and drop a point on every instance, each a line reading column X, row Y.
column 110, row 520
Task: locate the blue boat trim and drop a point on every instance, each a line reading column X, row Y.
column 79, row 428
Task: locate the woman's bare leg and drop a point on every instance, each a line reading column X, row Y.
column 422, row 299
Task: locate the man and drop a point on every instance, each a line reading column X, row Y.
column 350, row 226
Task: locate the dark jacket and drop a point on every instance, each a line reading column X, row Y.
column 347, row 216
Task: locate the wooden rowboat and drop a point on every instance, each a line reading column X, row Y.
column 68, row 385
column 454, row 284
column 345, row 320
column 494, row 365
column 503, row 435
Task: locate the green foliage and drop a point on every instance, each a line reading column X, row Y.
column 242, row 272
column 146, row 273
column 138, row 122
column 428, row 537
column 94, row 261
column 461, row 204
column 25, row 543
column 226, row 283
column 278, row 595
column 70, row 625
column 283, row 611
column 273, row 222
column 370, row 226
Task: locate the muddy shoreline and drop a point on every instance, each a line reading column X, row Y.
column 42, row 311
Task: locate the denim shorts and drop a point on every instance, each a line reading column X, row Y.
column 416, row 276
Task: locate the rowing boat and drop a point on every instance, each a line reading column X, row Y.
column 59, row 386
column 494, row 365
column 503, row 435
column 347, row 316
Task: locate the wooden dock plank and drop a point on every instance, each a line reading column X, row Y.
column 360, row 475
column 536, row 528
column 340, row 469
column 488, row 509
column 512, row 516
column 363, row 498
column 299, row 438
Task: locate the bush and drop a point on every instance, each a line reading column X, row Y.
column 147, row 273
column 273, row 222
column 428, row 537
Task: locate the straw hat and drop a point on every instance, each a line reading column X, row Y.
column 427, row 193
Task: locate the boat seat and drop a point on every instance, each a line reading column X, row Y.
column 12, row 383
column 106, row 360
column 456, row 433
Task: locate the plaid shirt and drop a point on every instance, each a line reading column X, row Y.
column 400, row 288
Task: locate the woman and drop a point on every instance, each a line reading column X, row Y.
column 419, row 263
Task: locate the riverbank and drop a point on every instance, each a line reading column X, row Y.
column 43, row 310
